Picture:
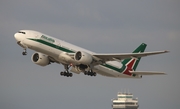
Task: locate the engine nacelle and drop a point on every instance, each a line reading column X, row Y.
column 83, row 58
column 40, row 59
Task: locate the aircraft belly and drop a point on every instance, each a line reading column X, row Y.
column 103, row 71
column 109, row 72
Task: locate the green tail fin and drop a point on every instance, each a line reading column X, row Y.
column 133, row 63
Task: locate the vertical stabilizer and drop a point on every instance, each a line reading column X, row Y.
column 133, row 62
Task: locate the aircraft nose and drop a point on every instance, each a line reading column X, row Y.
column 16, row 36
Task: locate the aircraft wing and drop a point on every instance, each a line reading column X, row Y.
column 121, row 56
column 147, row 73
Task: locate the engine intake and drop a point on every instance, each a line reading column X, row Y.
column 40, row 59
column 83, row 58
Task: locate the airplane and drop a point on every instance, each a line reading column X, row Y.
column 79, row 60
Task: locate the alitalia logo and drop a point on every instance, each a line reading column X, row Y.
column 47, row 39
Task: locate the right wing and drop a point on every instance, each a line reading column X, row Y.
column 121, row 56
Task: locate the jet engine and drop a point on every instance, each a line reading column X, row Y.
column 83, row 58
column 40, row 59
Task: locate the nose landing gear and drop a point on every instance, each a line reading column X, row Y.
column 24, row 52
column 23, row 46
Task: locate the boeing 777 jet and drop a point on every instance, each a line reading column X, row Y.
column 78, row 60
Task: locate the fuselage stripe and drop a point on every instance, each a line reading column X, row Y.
column 52, row 45
column 120, row 70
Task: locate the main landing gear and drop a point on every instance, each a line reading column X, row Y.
column 24, row 52
column 90, row 73
column 66, row 73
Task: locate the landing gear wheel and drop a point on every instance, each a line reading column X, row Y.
column 67, row 74
column 24, row 53
column 61, row 73
column 90, row 73
column 85, row 73
column 70, row 74
column 94, row 74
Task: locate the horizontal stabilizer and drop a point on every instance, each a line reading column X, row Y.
column 147, row 73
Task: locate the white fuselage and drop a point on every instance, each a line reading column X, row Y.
column 53, row 47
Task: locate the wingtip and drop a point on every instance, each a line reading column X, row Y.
column 162, row 73
column 166, row 51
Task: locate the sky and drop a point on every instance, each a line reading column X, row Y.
column 102, row 26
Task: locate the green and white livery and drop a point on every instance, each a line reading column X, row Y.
column 78, row 60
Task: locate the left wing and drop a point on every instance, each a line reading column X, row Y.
column 121, row 56
column 147, row 73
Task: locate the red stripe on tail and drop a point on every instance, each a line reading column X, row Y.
column 129, row 67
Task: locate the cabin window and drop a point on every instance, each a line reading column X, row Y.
column 22, row 32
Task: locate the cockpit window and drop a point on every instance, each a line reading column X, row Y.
column 22, row 32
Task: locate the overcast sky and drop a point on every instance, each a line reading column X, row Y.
column 104, row 26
